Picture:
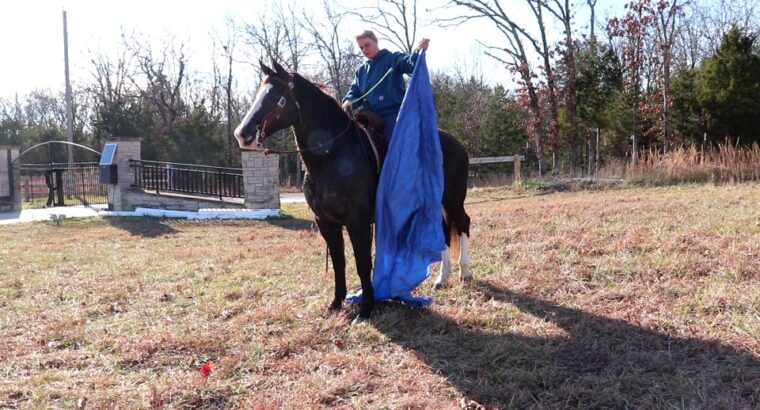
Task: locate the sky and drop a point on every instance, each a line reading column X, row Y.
column 32, row 52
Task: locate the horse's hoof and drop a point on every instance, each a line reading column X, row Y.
column 439, row 286
column 360, row 320
column 333, row 308
column 468, row 278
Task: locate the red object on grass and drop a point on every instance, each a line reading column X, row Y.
column 206, row 369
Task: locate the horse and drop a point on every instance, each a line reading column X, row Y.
column 342, row 175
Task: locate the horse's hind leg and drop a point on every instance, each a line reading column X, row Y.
column 463, row 226
column 333, row 235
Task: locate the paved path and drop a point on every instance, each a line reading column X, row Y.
column 48, row 214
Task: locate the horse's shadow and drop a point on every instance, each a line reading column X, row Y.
column 148, row 227
column 597, row 363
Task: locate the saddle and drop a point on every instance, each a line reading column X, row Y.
column 373, row 125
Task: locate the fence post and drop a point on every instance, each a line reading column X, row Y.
column 518, row 160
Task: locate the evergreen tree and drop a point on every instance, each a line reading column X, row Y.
column 728, row 89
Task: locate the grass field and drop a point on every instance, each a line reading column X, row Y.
column 631, row 298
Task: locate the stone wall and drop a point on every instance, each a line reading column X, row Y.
column 260, row 180
column 140, row 198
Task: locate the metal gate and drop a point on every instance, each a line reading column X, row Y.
column 58, row 183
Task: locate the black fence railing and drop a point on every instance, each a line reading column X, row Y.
column 188, row 179
column 62, row 184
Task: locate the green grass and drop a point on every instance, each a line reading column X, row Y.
column 638, row 298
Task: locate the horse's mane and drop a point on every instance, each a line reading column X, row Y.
column 315, row 91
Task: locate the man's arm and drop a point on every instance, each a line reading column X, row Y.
column 353, row 93
column 405, row 62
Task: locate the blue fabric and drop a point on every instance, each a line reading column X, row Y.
column 387, row 97
column 408, row 211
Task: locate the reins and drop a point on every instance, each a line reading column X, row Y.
column 356, row 100
column 267, row 151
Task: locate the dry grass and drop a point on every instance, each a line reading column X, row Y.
column 726, row 163
column 638, row 298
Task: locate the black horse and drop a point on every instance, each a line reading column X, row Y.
column 342, row 174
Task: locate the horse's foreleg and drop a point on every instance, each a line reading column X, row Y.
column 333, row 235
column 445, row 273
column 361, row 240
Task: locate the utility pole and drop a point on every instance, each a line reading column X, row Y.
column 69, row 108
column 229, row 106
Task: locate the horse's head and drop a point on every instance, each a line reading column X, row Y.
column 274, row 108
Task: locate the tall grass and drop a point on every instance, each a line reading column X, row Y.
column 725, row 163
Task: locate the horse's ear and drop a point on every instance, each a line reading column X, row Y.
column 266, row 70
column 278, row 68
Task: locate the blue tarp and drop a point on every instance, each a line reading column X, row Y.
column 408, row 211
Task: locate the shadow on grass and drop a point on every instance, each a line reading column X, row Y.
column 599, row 363
column 143, row 227
column 149, row 227
column 293, row 224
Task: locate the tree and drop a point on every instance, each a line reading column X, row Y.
column 665, row 14
column 396, row 22
column 278, row 36
column 599, row 83
column 478, row 115
column 728, row 87
column 515, row 57
column 336, row 54
column 561, row 10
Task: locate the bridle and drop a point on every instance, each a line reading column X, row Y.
column 281, row 103
column 275, row 112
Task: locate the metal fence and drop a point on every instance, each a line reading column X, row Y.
column 188, row 179
column 58, row 184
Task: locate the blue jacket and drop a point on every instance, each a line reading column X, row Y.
column 386, row 99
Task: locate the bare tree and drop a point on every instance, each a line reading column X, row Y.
column 515, row 57
column 717, row 17
column 561, row 10
column 337, row 54
column 592, row 19
column 277, row 35
column 665, row 15
column 223, row 84
column 164, row 75
column 394, row 20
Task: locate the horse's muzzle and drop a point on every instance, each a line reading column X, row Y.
column 246, row 139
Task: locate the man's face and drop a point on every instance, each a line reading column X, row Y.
column 369, row 47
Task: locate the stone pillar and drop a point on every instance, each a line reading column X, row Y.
column 10, row 180
column 261, row 180
column 126, row 149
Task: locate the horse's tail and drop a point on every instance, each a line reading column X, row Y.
column 454, row 240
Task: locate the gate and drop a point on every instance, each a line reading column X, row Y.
column 45, row 180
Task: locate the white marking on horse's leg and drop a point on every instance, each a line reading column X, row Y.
column 464, row 257
column 443, row 276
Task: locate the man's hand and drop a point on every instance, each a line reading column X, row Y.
column 348, row 108
column 424, row 44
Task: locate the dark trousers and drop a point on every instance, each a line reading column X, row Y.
column 390, row 124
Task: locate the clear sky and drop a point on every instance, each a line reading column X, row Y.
column 31, row 34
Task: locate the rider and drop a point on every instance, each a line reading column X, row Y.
column 383, row 70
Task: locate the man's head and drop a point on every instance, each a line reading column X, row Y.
column 367, row 42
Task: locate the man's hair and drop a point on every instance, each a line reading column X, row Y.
column 367, row 34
